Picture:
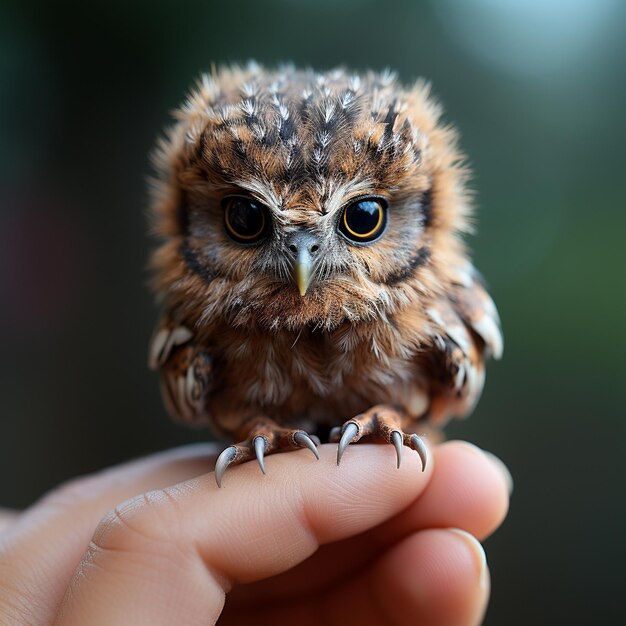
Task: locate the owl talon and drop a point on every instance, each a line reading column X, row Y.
column 418, row 445
column 223, row 461
column 264, row 437
column 304, row 441
column 350, row 432
column 380, row 423
column 396, row 439
column 259, row 448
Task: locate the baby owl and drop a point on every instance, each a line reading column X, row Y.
column 312, row 274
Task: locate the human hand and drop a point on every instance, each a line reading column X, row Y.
column 310, row 543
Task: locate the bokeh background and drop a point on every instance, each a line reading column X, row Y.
column 538, row 89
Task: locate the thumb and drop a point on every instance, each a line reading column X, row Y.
column 170, row 556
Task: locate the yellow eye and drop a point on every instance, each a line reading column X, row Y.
column 364, row 221
column 247, row 221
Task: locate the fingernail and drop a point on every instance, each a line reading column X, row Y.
column 479, row 555
column 503, row 468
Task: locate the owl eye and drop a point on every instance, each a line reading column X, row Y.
column 364, row 220
column 247, row 221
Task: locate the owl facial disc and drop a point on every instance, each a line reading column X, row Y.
column 302, row 247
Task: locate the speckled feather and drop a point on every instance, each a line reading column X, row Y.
column 404, row 321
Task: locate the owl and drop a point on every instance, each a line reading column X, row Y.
column 312, row 273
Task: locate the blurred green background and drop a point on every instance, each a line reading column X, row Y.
column 538, row 89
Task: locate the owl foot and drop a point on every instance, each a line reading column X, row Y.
column 265, row 437
column 379, row 422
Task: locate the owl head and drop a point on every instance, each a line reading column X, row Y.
column 289, row 198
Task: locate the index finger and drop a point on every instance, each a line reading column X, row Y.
column 181, row 548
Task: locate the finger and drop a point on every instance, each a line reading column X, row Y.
column 174, row 553
column 468, row 490
column 435, row 577
column 40, row 553
column 432, row 578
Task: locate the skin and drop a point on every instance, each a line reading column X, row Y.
column 309, row 543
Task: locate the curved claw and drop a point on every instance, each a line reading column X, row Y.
column 259, row 450
column 396, row 440
column 304, row 441
column 418, row 445
column 349, row 433
column 223, row 461
column 316, row 440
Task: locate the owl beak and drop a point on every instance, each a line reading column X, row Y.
column 303, row 245
column 302, row 272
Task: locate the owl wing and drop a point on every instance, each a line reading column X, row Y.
column 465, row 332
column 186, row 373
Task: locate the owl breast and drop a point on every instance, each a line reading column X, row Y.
column 312, row 377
